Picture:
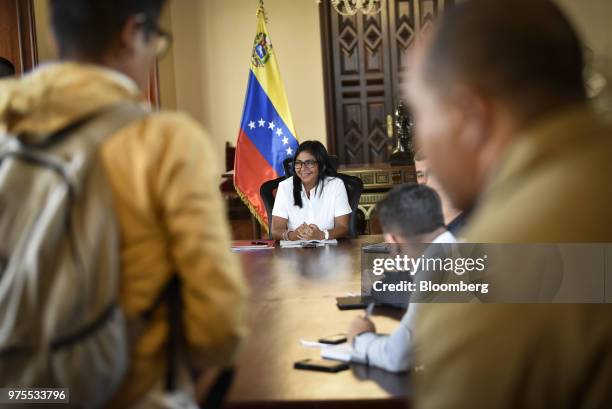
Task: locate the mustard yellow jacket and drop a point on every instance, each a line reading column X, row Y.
column 163, row 174
column 552, row 185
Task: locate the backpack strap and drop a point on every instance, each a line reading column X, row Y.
column 89, row 131
column 95, row 126
column 110, row 120
column 171, row 296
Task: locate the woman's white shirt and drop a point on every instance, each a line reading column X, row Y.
column 321, row 209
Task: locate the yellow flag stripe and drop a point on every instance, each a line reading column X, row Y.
column 270, row 80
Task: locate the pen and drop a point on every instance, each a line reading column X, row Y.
column 369, row 310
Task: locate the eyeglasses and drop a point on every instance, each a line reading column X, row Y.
column 308, row 163
column 163, row 39
column 422, row 176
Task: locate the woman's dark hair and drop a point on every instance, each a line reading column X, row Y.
column 89, row 27
column 324, row 163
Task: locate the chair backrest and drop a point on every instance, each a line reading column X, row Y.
column 230, row 155
column 288, row 167
column 266, row 191
column 354, row 187
column 352, row 184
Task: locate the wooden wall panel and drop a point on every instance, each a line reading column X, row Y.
column 17, row 34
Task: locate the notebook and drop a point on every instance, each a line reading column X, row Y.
column 306, row 243
column 342, row 352
column 252, row 245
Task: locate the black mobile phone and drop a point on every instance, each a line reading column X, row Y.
column 356, row 302
column 322, row 365
column 333, row 339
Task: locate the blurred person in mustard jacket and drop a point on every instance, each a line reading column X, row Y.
column 163, row 174
column 501, row 113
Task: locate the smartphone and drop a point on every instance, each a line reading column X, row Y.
column 353, row 303
column 333, row 339
column 322, row 365
column 382, row 248
column 361, row 303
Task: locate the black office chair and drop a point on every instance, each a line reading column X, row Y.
column 352, row 184
column 288, row 167
column 267, row 194
column 354, row 187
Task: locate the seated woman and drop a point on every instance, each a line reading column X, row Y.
column 312, row 204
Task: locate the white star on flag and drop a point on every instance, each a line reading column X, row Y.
column 279, row 131
column 261, row 123
column 289, row 151
column 251, row 125
column 285, row 141
column 271, row 125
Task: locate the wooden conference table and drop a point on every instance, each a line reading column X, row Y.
column 293, row 297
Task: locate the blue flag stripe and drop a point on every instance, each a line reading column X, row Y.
column 265, row 128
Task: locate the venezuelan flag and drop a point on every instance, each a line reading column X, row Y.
column 267, row 136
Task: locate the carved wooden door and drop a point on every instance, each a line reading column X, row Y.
column 364, row 62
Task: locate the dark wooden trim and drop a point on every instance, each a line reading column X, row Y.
column 27, row 34
column 393, row 57
column 328, row 77
column 153, row 87
column 18, row 34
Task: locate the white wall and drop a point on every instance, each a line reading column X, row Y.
column 593, row 20
column 211, row 54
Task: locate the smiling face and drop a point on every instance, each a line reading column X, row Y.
column 307, row 174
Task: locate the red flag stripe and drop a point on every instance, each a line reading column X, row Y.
column 251, row 171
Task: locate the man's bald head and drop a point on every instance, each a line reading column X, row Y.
column 489, row 70
column 522, row 52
